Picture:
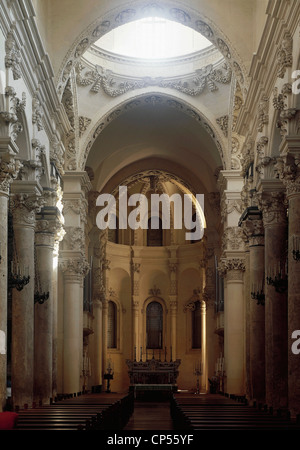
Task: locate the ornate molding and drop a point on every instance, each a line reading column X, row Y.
column 77, row 206
column 12, row 56
column 232, row 239
column 77, row 268
column 231, row 264
column 74, row 239
column 136, row 11
column 223, row 123
column 115, row 85
column 24, row 208
column 9, row 171
column 284, row 55
column 274, row 208
column 84, row 122
column 37, row 114
column 263, row 113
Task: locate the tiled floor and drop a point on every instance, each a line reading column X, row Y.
column 150, row 416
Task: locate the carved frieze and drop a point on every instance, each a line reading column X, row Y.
column 115, row 85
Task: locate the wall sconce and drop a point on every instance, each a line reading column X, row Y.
column 278, row 279
column 296, row 248
column 17, row 278
column 259, row 296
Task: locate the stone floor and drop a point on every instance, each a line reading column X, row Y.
column 150, row 416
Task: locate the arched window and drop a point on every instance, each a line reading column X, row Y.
column 154, row 325
column 154, row 232
column 112, row 325
column 196, row 325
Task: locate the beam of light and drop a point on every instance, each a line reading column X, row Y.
column 153, row 38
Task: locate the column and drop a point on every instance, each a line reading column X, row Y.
column 276, row 320
column 256, row 310
column 74, row 267
column 98, row 339
column 203, row 382
column 104, row 336
column 234, row 332
column 9, row 169
column 137, row 341
column 232, row 267
column 74, row 271
column 289, row 172
column 23, row 207
column 173, row 304
column 44, row 314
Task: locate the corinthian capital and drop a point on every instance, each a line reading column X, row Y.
column 231, row 264
column 9, row 170
column 274, row 208
column 24, row 208
column 75, row 267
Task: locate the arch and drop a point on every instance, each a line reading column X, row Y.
column 171, row 10
column 144, row 99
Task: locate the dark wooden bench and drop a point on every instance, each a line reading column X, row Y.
column 88, row 412
column 213, row 412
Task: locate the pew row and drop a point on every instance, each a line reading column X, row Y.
column 88, row 412
column 213, row 412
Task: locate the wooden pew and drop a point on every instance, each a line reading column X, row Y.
column 89, row 412
column 216, row 413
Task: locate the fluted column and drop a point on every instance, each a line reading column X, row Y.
column 9, row 169
column 276, row 320
column 233, row 269
column 24, row 208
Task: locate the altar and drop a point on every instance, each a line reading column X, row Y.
column 153, row 378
